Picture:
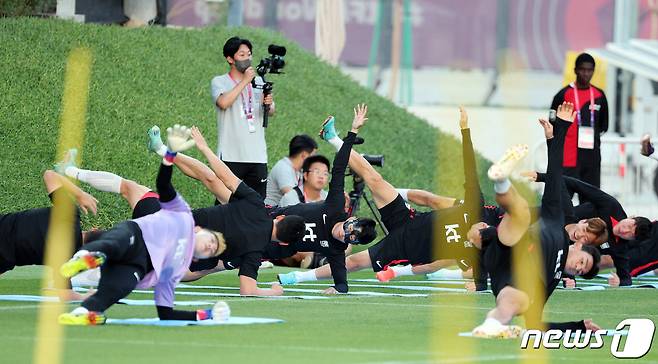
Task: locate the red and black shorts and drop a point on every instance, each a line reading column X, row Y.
column 148, row 204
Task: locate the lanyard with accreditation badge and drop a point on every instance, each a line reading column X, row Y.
column 585, row 133
column 247, row 107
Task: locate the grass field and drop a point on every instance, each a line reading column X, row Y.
column 342, row 329
column 161, row 76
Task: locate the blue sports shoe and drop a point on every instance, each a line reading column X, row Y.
column 328, row 130
column 287, row 278
column 68, row 161
column 155, row 142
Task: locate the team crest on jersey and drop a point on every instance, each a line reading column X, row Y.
column 324, row 243
column 452, row 236
column 310, row 234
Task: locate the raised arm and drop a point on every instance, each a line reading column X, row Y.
column 222, row 171
column 335, row 198
column 591, row 193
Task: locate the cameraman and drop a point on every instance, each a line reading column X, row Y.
column 241, row 142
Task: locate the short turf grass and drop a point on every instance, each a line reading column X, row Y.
column 161, row 76
column 337, row 330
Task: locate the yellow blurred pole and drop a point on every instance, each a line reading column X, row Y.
column 59, row 242
column 445, row 343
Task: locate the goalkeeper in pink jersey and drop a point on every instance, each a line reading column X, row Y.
column 150, row 251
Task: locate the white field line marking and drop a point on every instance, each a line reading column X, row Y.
column 224, row 345
column 318, row 291
column 22, row 307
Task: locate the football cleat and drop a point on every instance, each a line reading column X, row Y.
column 498, row 332
column 504, row 167
column 68, row 161
column 385, row 275
column 328, row 130
column 287, row 278
column 82, row 262
column 155, row 141
column 90, row 318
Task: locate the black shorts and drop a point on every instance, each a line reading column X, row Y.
column 253, row 175
column 5, row 265
column 396, row 214
column 497, row 260
column 389, row 251
column 147, row 205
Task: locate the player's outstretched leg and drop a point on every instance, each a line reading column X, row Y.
column 517, row 218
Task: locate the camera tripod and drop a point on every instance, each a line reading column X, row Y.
column 358, row 192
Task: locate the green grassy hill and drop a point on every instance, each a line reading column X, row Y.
column 142, row 77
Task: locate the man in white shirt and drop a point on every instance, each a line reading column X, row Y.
column 286, row 173
column 239, row 105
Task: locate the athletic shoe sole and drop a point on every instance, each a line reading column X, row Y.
column 504, row 167
column 385, row 275
column 328, row 123
column 155, row 140
column 509, row 332
column 81, row 264
column 68, row 161
column 89, row 319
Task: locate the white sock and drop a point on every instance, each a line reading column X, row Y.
column 502, row 186
column 404, row 192
column 447, row 274
column 102, row 181
column 402, row 270
column 80, row 311
column 336, row 142
column 161, row 152
column 654, row 155
column 305, row 276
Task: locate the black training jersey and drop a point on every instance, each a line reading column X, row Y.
column 609, row 209
column 247, row 229
column 320, row 221
column 320, row 218
column 554, row 250
column 436, row 235
column 23, row 236
column 492, row 215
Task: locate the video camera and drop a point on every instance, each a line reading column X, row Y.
column 272, row 64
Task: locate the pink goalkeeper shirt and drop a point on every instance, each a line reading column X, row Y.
column 169, row 238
